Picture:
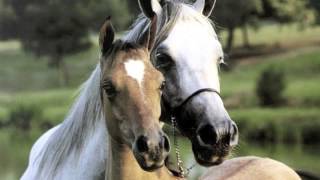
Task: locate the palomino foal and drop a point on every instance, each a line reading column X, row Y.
column 131, row 92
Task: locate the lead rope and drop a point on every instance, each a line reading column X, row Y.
column 182, row 171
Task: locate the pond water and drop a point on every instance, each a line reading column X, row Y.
column 13, row 157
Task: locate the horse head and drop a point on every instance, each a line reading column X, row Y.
column 131, row 93
column 188, row 53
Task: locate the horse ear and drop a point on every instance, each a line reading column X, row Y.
column 150, row 7
column 204, row 6
column 147, row 39
column 106, row 36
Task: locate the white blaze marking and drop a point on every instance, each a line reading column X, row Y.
column 135, row 69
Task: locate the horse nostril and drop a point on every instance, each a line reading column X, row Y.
column 165, row 143
column 234, row 135
column 207, row 135
column 142, row 144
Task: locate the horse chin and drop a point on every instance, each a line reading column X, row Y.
column 210, row 156
column 146, row 165
column 151, row 168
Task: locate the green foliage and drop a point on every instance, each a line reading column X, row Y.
column 51, row 29
column 3, row 116
column 8, row 22
column 21, row 116
column 290, row 10
column 232, row 14
column 280, row 125
column 302, row 71
column 98, row 10
column 315, row 4
column 58, row 28
column 270, row 87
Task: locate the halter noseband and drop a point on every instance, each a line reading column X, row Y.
column 182, row 172
column 176, row 109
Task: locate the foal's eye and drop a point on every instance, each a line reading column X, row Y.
column 162, row 85
column 163, row 61
column 110, row 89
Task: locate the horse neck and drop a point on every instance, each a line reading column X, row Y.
column 122, row 165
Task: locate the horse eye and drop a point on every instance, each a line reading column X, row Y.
column 163, row 61
column 162, row 85
column 221, row 60
column 109, row 89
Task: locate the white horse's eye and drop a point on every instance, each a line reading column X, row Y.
column 163, row 61
column 221, row 60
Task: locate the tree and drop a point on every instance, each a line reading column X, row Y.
column 51, row 30
column 58, row 28
column 289, row 11
column 315, row 4
column 8, row 22
column 232, row 14
column 98, row 10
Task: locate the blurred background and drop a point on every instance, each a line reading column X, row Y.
column 271, row 85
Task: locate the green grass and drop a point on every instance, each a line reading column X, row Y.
column 21, row 71
column 27, row 80
column 54, row 104
column 302, row 73
column 48, row 98
column 270, row 33
column 3, row 114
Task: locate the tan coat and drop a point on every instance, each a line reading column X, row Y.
column 251, row 168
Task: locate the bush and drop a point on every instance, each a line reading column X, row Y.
column 21, row 116
column 281, row 125
column 270, row 87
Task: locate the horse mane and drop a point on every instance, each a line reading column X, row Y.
column 82, row 121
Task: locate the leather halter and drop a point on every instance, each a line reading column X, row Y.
column 169, row 112
column 182, row 172
column 176, row 109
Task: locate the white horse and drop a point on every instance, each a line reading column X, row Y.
column 188, row 53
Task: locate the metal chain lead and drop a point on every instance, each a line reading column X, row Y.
column 183, row 173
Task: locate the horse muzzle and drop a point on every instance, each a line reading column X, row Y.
column 151, row 152
column 212, row 144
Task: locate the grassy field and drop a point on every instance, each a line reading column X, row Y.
column 302, row 73
column 270, row 34
column 26, row 80
column 30, row 89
